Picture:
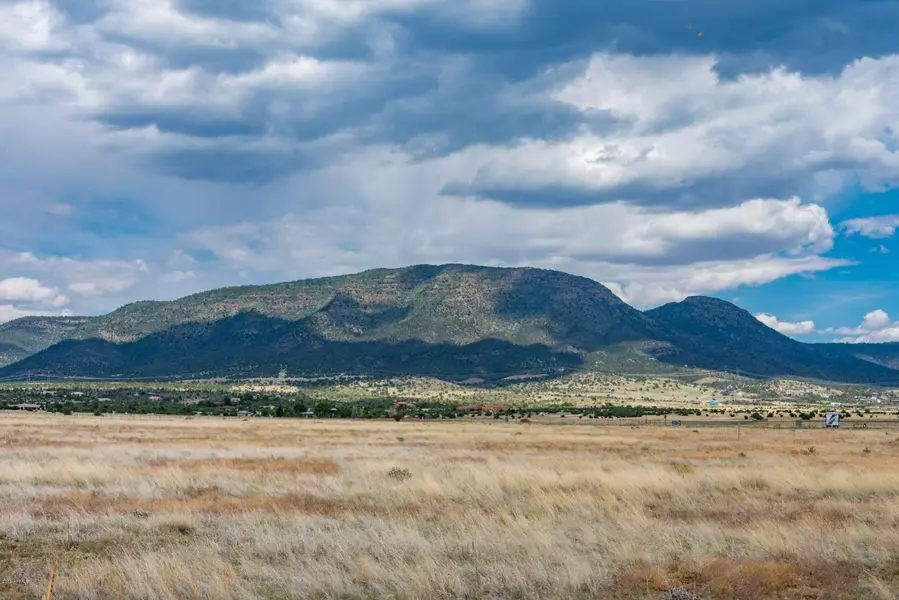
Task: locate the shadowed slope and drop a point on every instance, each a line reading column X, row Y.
column 252, row 344
column 714, row 334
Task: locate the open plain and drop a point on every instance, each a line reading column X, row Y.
column 222, row 508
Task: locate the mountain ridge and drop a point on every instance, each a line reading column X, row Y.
column 25, row 336
column 721, row 333
column 445, row 320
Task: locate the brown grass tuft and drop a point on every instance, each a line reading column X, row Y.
column 305, row 466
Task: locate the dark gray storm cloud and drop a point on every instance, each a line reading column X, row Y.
column 436, row 79
column 235, row 10
column 194, row 122
column 233, row 165
column 474, row 107
column 806, row 35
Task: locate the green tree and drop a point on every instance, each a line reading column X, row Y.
column 322, row 410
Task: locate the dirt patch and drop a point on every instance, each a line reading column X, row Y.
column 22, row 442
column 467, row 459
column 212, row 501
column 304, row 466
column 744, row 580
column 578, row 446
column 739, row 512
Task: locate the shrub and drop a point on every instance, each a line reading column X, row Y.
column 683, row 468
column 680, row 594
column 399, row 474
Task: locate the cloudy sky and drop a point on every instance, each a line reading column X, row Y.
column 667, row 148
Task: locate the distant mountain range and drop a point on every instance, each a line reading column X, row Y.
column 451, row 321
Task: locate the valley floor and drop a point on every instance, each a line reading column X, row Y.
column 213, row 508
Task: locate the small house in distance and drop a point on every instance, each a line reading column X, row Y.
column 399, row 406
column 27, row 407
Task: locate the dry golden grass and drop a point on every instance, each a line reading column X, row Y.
column 226, row 509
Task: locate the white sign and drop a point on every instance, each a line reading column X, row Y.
column 832, row 419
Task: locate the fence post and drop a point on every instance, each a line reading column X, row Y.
column 49, row 594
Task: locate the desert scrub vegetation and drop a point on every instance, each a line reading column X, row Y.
column 137, row 508
column 399, row 473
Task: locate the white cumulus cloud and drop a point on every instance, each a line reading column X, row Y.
column 8, row 312
column 691, row 136
column 177, row 276
column 651, row 286
column 872, row 227
column 23, row 289
column 87, row 277
column 31, row 26
column 786, row 327
column 877, row 326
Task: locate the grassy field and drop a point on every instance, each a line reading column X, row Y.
column 129, row 507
